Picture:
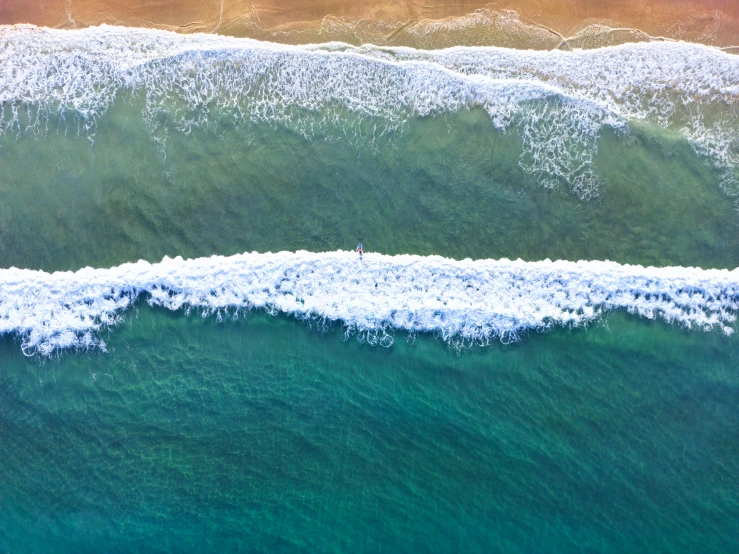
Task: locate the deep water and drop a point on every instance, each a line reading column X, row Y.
column 260, row 435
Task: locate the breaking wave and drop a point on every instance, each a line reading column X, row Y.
column 558, row 101
column 464, row 302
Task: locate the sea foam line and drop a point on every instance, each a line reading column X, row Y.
column 559, row 101
column 462, row 301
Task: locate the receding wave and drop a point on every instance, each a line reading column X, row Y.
column 464, row 302
column 558, row 101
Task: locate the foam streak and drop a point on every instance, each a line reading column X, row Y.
column 558, row 100
column 465, row 301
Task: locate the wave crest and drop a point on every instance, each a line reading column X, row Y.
column 462, row 301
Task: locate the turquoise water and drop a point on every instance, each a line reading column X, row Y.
column 262, row 436
column 270, row 434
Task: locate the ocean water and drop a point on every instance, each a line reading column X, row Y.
column 536, row 352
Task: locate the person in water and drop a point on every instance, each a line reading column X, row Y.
column 360, row 249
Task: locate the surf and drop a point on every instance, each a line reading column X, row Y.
column 558, row 102
column 461, row 301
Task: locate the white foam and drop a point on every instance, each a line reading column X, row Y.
column 466, row 301
column 559, row 100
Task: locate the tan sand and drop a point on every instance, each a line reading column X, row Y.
column 428, row 23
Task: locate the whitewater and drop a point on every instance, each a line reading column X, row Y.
column 559, row 102
column 463, row 302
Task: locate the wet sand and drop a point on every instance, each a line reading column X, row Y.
column 428, row 24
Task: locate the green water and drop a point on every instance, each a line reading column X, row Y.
column 446, row 185
column 262, row 435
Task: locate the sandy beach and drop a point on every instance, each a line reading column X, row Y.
column 540, row 24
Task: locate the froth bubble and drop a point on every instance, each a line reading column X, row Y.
column 558, row 100
column 464, row 302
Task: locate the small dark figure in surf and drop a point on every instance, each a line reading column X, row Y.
column 360, row 249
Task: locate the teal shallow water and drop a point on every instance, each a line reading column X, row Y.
column 262, row 436
column 448, row 185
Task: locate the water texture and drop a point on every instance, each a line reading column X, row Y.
column 259, row 435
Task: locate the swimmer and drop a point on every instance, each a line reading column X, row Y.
column 360, row 249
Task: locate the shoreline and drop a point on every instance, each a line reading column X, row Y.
column 542, row 25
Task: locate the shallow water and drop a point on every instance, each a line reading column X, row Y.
column 448, row 185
